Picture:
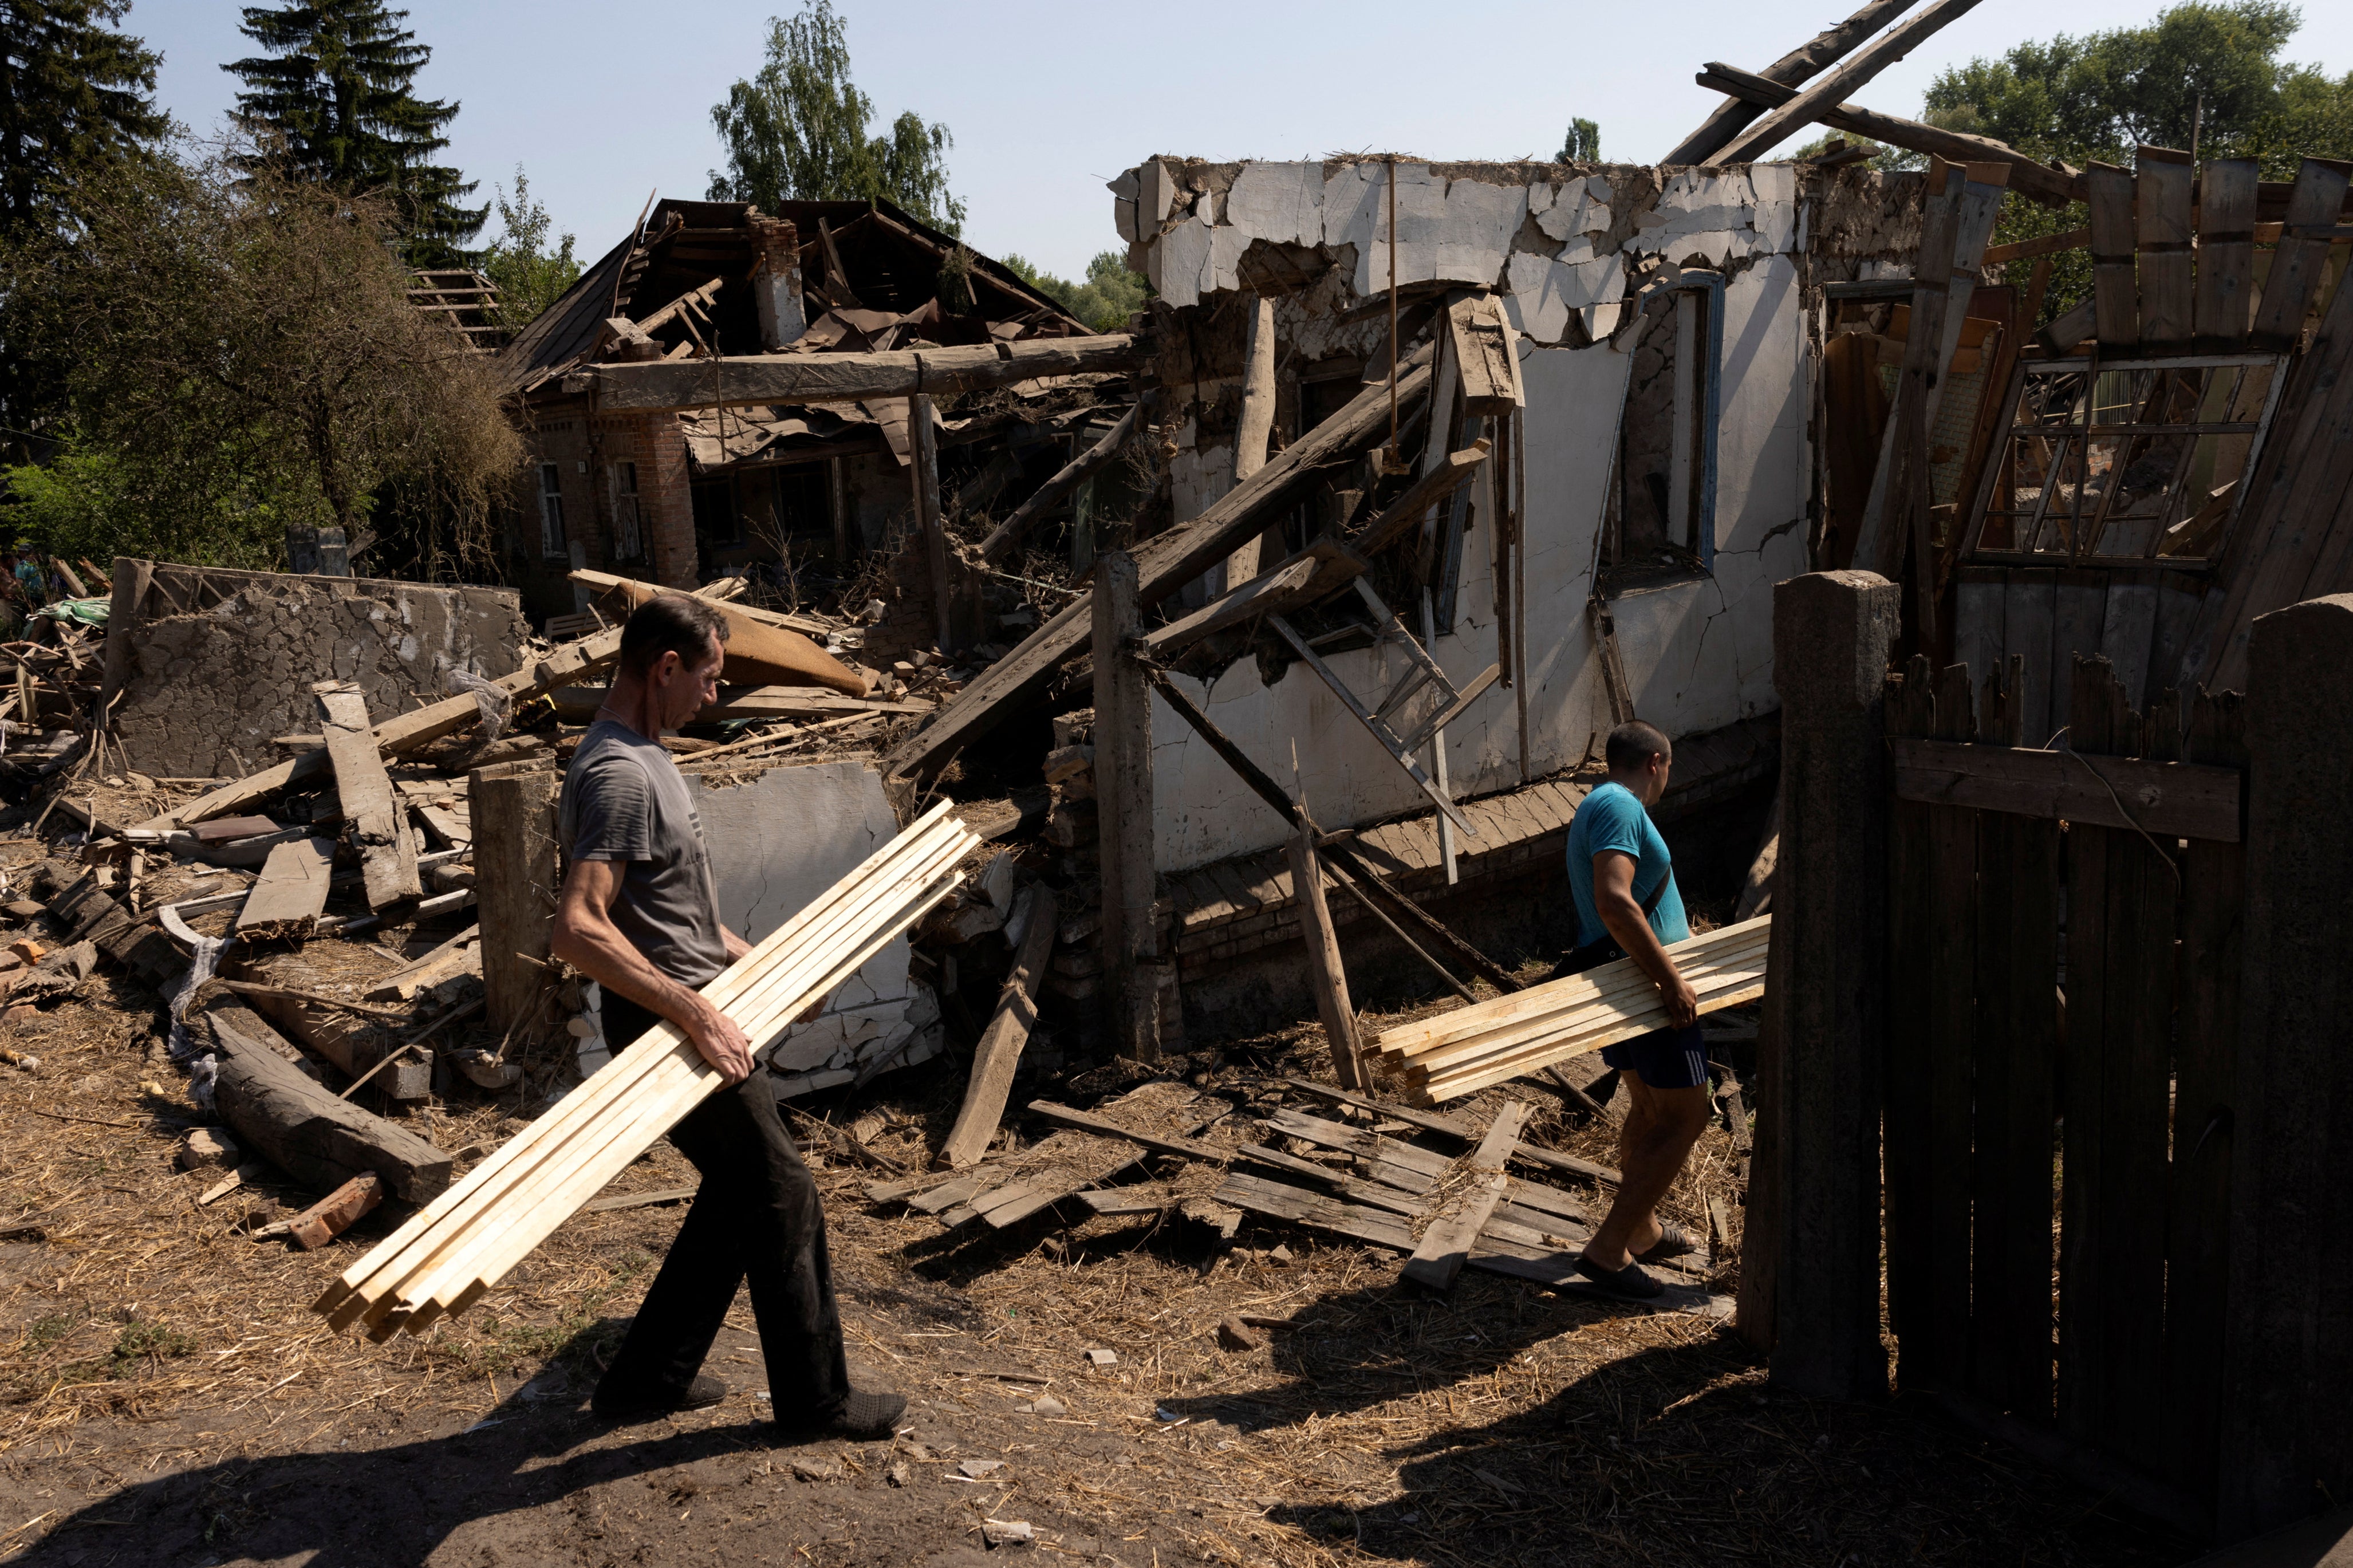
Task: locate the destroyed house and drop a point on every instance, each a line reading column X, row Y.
column 678, row 495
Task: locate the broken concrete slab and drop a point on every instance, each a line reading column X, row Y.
column 205, row 665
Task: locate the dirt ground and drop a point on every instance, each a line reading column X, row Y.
column 169, row 1399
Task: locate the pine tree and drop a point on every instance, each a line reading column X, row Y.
column 72, row 89
column 335, row 86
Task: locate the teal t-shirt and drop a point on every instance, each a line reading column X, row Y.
column 1612, row 819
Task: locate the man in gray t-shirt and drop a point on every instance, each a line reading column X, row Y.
column 638, row 914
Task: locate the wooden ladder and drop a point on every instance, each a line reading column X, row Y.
column 1421, row 671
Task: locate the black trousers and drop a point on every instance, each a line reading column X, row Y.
column 758, row 1219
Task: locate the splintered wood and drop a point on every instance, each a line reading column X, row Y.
column 1455, row 1054
column 455, row 1249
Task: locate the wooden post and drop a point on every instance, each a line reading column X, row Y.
column 999, row 1050
column 1324, row 973
column 1124, row 793
column 1809, row 1262
column 1253, row 427
column 514, row 812
column 2287, row 1362
column 924, row 461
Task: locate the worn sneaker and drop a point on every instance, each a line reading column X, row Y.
column 865, row 1414
column 701, row 1394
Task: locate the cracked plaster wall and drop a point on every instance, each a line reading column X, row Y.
column 205, row 690
column 779, row 839
column 1571, row 247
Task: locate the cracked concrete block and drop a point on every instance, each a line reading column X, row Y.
column 206, row 688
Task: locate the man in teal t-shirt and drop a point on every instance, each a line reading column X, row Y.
column 1626, row 906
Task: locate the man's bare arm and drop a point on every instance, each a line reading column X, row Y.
column 587, row 938
column 1613, row 899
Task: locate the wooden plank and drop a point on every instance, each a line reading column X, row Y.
column 999, row 1050
column 379, row 827
column 2053, row 183
column 2295, row 489
column 2119, row 959
column 1453, row 1127
column 1834, row 85
column 1912, row 917
column 286, row 899
column 923, row 476
column 2080, row 608
column 1950, row 1042
column 404, row 732
column 2226, row 253
column 2162, row 178
column 2009, row 1361
column 2030, row 621
column 732, row 382
column 1087, row 1121
column 2128, row 630
column 1789, row 72
column 2114, row 282
column 1325, row 974
column 1484, row 355
column 1446, row 1241
column 2173, row 799
column 1123, row 740
column 516, row 879
column 2301, row 259
column 2197, row 1196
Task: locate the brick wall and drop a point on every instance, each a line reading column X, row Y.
column 583, row 446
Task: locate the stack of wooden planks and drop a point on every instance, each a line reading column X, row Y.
column 457, row 1247
column 1458, row 1052
column 1415, row 1200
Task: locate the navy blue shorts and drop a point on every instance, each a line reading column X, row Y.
column 1665, row 1058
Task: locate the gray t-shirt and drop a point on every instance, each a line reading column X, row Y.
column 624, row 800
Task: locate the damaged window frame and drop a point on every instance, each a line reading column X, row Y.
column 1697, row 411
column 2075, row 433
column 554, row 544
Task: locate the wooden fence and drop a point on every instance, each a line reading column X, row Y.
column 2094, row 1051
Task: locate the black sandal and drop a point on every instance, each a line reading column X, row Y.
column 1673, row 1242
column 1629, row 1283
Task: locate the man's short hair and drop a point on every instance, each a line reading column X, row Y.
column 1633, row 743
column 669, row 623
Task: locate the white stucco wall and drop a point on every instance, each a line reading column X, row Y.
column 1697, row 651
column 777, row 841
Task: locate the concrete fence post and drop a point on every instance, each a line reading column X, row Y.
column 2287, row 1360
column 1809, row 1259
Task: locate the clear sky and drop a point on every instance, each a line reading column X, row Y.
column 603, row 101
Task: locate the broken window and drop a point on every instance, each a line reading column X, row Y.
column 628, row 528
column 552, row 541
column 1663, row 508
column 2123, row 462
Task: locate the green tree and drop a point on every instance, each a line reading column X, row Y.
column 1109, row 296
column 243, row 359
column 335, row 86
column 2097, row 95
column 73, row 90
column 528, row 276
column 797, row 132
column 1582, row 144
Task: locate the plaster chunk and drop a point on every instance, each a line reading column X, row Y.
column 1281, row 202
column 1356, row 212
column 1182, row 257
column 1545, row 292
